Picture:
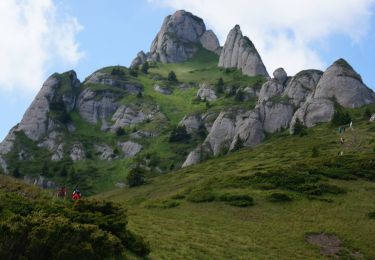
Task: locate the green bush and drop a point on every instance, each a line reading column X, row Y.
column 201, row 196
column 340, row 118
column 135, row 177
column 164, row 204
column 237, row 200
column 172, row 76
column 179, row 134
column 299, row 128
column 279, row 197
column 219, row 87
column 315, row 152
column 145, row 67
column 371, row 215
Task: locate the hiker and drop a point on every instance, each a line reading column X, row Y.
column 342, row 140
column 351, row 125
column 76, row 194
column 61, row 192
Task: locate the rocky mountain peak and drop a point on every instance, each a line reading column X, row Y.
column 239, row 52
column 179, row 39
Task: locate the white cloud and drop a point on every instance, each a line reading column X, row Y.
column 34, row 36
column 284, row 31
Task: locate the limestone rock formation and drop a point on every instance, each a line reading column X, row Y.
column 206, row 93
column 280, row 75
column 192, row 123
column 162, row 90
column 179, row 38
column 275, row 115
column 342, row 82
column 105, row 152
column 272, row 88
column 77, row 153
column 130, row 149
column 239, row 52
column 140, row 59
column 302, row 85
column 372, row 119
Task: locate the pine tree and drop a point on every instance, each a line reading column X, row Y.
column 299, row 128
column 145, row 67
column 172, row 76
column 220, row 86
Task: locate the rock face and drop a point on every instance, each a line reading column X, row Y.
column 179, row 38
column 192, row 123
column 275, row 116
column 129, row 115
column 105, row 152
column 162, row 90
column 77, row 153
column 270, row 89
column 239, row 52
column 130, row 149
column 302, row 85
column 342, row 82
column 206, row 93
column 280, row 75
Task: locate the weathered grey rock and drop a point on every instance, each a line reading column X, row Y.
column 95, row 107
column 51, row 140
column 193, row 123
column 275, row 115
column 163, row 90
column 372, row 119
column 129, row 115
column 250, row 93
column 3, row 165
column 239, row 52
column 58, row 155
column 120, row 185
column 105, row 152
column 7, row 144
column 302, row 85
column 209, row 119
column 199, row 154
column 280, row 75
column 139, row 60
column 210, row 42
column 77, row 153
column 313, row 111
column 115, row 81
column 130, row 149
column 272, row 88
column 143, row 134
column 40, row 181
column 206, row 93
column 342, row 82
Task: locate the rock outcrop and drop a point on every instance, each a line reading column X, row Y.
column 105, row 152
column 130, row 149
column 372, row 119
column 77, row 153
column 162, row 90
column 275, row 115
column 140, row 59
column 346, row 85
column 206, row 93
column 239, row 52
column 179, row 38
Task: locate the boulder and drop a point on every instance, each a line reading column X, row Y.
column 372, row 119
column 206, row 93
column 272, row 88
column 130, row 149
column 313, row 111
column 239, row 52
column 199, row 154
column 193, row 123
column 120, row 82
column 302, row 85
column 250, row 93
column 105, row 152
column 77, row 153
column 59, row 153
column 129, row 115
column 280, row 75
column 342, row 82
column 162, row 90
column 143, row 134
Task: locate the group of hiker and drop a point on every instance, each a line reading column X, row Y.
column 341, row 131
column 76, row 195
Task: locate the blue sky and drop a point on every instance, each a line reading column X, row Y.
column 47, row 36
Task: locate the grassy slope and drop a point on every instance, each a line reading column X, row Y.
column 266, row 230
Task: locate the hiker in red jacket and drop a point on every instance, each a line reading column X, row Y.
column 76, row 194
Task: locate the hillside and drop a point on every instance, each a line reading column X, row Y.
column 203, row 211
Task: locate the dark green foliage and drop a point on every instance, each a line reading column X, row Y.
column 179, row 134
column 237, row 200
column 201, row 196
column 315, row 152
column 145, row 67
column 41, row 228
column 208, row 105
column 16, row 173
column 63, row 172
column 133, row 72
column 367, row 114
column 120, row 131
column 238, row 144
column 219, row 87
column 239, row 96
column 135, row 177
column 279, row 197
column 139, row 95
column 162, row 204
column 299, row 128
column 172, row 76
column 340, row 118
column 371, row 215
column 117, row 71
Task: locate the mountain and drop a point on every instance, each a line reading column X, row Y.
column 220, row 99
column 235, row 163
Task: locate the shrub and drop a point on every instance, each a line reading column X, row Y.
column 299, row 128
column 238, row 144
column 239, row 96
column 164, row 204
column 201, row 196
column 340, row 118
column 133, row 72
column 371, row 215
column 135, row 177
column 237, row 200
column 179, row 134
column 219, row 87
column 315, row 152
column 145, row 67
column 172, row 76
column 279, row 197
column 120, row 131
column 367, row 114
column 117, row 71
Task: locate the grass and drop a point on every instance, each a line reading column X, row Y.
column 215, row 229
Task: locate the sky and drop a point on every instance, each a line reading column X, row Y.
column 40, row 37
